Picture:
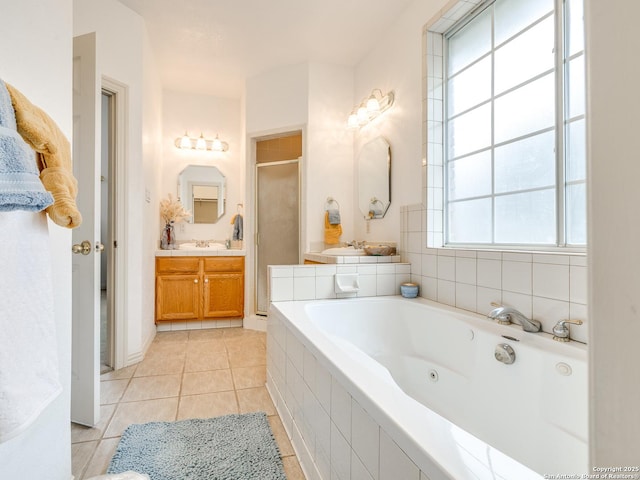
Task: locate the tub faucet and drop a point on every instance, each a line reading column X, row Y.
column 507, row 315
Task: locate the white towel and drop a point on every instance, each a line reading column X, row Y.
column 29, row 378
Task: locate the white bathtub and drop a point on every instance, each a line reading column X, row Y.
column 427, row 376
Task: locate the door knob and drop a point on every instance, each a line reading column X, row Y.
column 84, row 248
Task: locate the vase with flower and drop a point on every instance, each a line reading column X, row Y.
column 171, row 212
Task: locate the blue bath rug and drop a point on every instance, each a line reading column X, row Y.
column 232, row 447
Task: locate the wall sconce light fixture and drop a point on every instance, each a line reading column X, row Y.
column 370, row 108
column 188, row 143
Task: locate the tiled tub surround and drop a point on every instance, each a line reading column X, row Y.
column 545, row 286
column 348, row 419
column 311, row 282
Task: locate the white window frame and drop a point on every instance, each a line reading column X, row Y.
column 434, row 45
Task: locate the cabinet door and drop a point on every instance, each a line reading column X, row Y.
column 224, row 295
column 177, row 297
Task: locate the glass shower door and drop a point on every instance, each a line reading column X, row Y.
column 278, row 194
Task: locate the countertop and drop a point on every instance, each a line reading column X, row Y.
column 202, row 252
column 319, row 257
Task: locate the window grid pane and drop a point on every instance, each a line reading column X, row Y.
column 518, row 183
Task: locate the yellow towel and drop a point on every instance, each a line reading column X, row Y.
column 54, row 158
column 331, row 232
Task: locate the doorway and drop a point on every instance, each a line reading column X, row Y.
column 278, row 208
column 107, row 229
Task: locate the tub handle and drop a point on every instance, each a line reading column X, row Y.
column 561, row 331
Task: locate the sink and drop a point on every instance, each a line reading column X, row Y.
column 346, row 251
column 192, row 246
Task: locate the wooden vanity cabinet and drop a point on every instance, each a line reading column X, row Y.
column 191, row 288
column 223, row 287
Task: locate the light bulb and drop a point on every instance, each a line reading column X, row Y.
column 217, row 144
column 373, row 105
column 363, row 115
column 352, row 121
column 201, row 144
column 185, row 141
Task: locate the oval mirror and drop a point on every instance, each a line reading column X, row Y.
column 374, row 172
column 202, row 191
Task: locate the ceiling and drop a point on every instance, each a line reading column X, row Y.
column 212, row 46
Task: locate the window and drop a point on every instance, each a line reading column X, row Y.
column 514, row 118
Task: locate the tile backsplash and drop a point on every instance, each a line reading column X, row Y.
column 543, row 286
column 311, row 282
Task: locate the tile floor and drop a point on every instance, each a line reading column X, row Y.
column 185, row 374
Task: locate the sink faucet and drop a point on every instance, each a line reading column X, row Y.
column 355, row 244
column 507, row 315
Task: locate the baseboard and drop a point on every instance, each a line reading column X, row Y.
column 255, row 322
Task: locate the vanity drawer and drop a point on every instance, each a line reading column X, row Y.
column 177, row 264
column 223, row 264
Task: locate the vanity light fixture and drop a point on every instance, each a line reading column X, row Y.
column 189, row 143
column 370, row 108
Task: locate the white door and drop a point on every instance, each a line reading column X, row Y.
column 85, row 356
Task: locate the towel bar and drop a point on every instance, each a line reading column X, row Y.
column 330, row 201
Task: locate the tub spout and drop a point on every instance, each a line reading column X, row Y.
column 507, row 315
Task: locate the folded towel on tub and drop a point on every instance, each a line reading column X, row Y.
column 20, row 185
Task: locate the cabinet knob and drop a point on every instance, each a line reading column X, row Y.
column 195, row 281
column 206, row 280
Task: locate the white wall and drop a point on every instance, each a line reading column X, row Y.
column 277, row 99
column 123, row 54
column 613, row 114
column 315, row 98
column 395, row 63
column 40, row 66
column 328, row 169
column 210, row 115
